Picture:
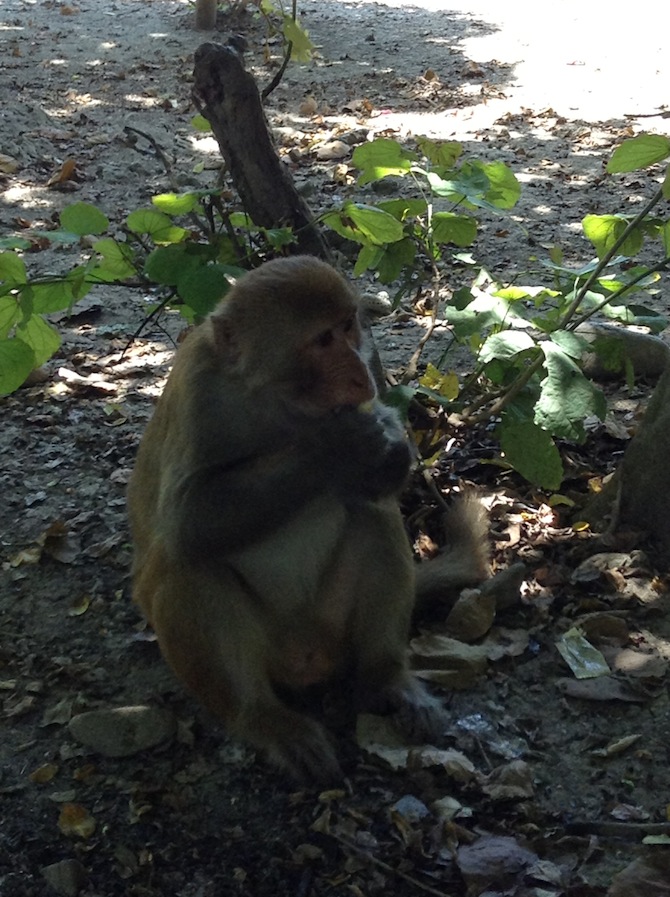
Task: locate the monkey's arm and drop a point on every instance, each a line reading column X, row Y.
column 353, row 455
column 226, row 508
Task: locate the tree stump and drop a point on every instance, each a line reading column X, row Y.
column 227, row 96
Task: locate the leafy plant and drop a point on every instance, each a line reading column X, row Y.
column 403, row 238
column 188, row 268
column 526, row 342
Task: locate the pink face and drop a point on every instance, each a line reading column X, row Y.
column 338, row 371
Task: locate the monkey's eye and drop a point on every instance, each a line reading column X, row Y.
column 325, row 339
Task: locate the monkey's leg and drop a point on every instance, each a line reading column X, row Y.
column 384, row 602
column 213, row 634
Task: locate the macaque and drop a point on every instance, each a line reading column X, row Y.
column 270, row 552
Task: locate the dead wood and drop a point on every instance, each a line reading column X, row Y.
column 228, row 97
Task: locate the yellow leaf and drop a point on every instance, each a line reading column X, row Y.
column 76, row 820
column 43, row 774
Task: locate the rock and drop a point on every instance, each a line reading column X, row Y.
column 123, row 731
column 67, row 877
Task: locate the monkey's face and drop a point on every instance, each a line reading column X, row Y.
column 331, row 370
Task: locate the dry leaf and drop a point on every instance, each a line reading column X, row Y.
column 76, row 820
column 66, row 172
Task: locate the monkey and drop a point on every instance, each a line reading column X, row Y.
column 270, row 554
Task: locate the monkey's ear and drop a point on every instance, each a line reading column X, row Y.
column 225, row 339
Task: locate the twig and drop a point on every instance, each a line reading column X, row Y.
column 158, row 149
column 287, row 58
column 387, row 868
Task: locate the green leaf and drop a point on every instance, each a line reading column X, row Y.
column 12, row 269
column 303, row 47
column 404, row 208
column 639, row 152
column 441, row 153
column 16, row 362
column 200, row 123
column 567, row 398
column 176, row 203
column 531, row 451
column 504, row 188
column 368, row 258
column 82, row 218
column 461, row 230
column 570, row 342
column 10, row 314
column 117, row 262
column 506, row 344
column 203, row 287
column 52, row 297
column 394, row 258
column 604, row 230
column 42, row 338
column 155, row 225
column 380, row 159
column 364, row 224
column 167, row 264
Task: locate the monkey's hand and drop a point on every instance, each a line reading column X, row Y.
column 365, row 452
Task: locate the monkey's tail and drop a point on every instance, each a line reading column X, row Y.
column 465, row 560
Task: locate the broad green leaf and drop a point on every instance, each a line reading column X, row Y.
column 461, row 230
column 82, row 218
column 604, row 230
column 16, row 362
column 531, row 451
column 482, row 312
column 380, row 159
column 203, row 287
column 567, row 398
column 176, row 203
column 365, row 224
column 58, row 295
column 117, row 262
column 570, row 342
column 639, row 152
column 504, row 188
column 303, row 47
column 506, row 344
column 166, row 264
column 10, row 314
column 394, row 259
column 404, row 208
column 241, row 219
column 12, row 269
column 200, row 123
column 368, row 258
column 466, row 184
column 441, row 153
column 666, row 184
column 42, row 338
column 279, row 237
column 155, row 225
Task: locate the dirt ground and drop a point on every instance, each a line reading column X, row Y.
column 556, row 785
